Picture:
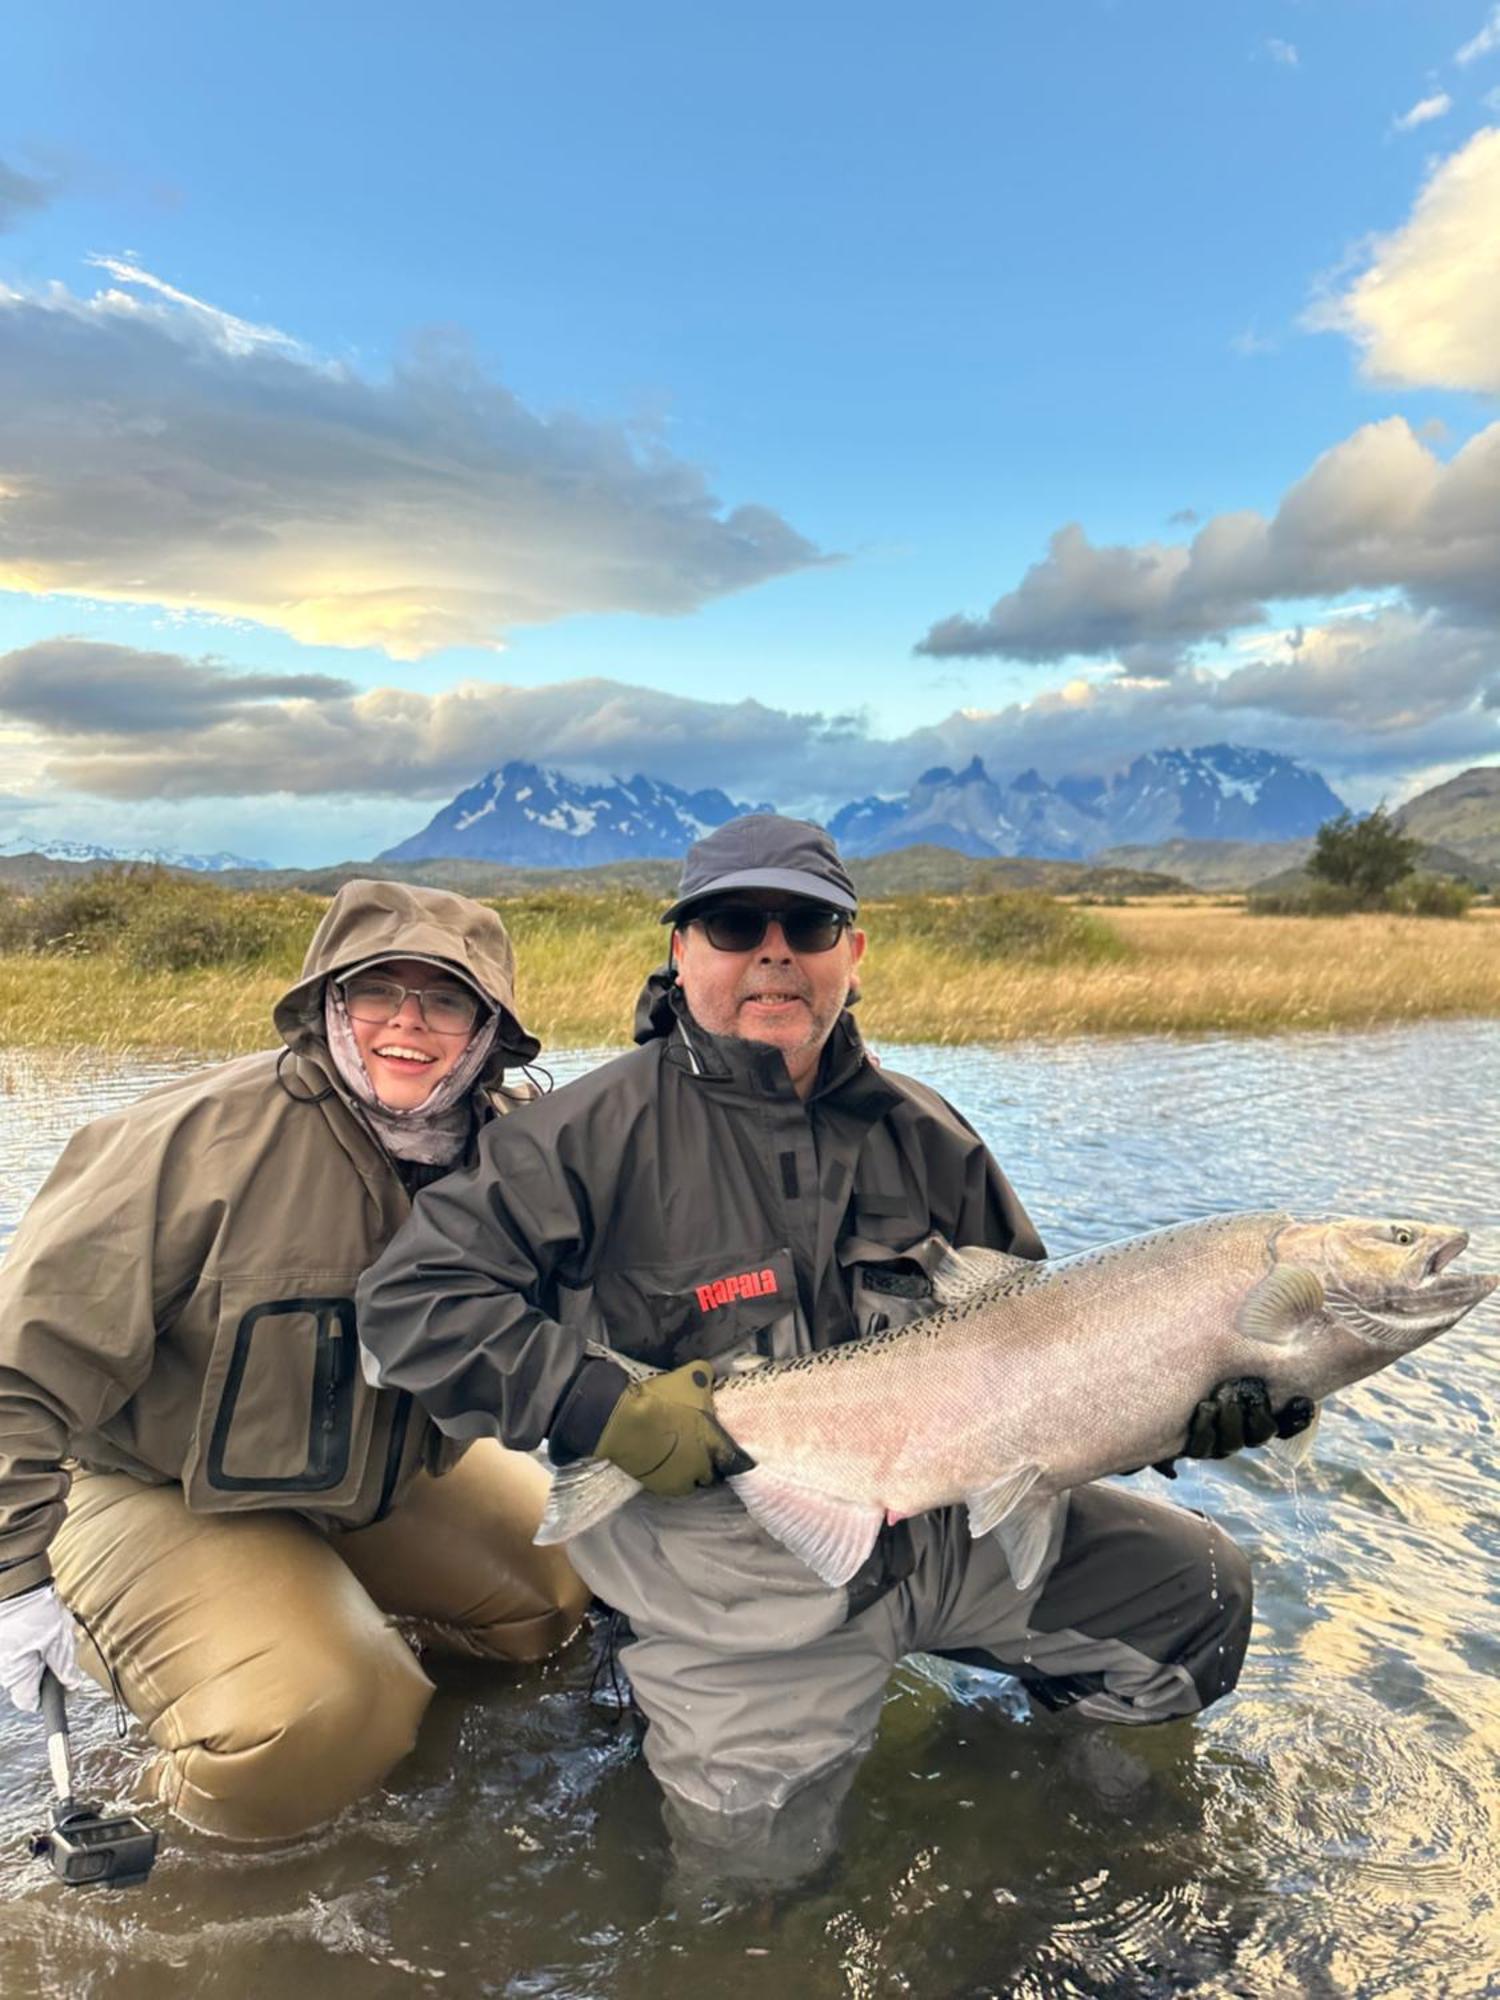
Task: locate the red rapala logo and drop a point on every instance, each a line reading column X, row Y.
column 744, row 1285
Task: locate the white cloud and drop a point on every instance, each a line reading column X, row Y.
column 155, row 449
column 1438, row 105
column 1426, row 308
column 1484, row 43
column 1281, row 52
column 1379, row 511
column 1374, row 691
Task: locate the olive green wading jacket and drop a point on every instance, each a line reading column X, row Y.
column 178, row 1302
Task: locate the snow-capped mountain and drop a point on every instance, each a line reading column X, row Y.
column 1218, row 792
column 531, row 817
column 970, row 811
column 527, row 815
column 85, row 850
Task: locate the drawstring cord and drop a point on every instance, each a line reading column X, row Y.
column 122, row 1713
column 607, row 1665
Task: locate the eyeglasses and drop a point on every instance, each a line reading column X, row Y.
column 742, row 926
column 447, row 1010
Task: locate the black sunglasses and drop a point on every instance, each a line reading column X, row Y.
column 742, row 926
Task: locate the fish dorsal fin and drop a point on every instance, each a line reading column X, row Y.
column 832, row 1536
column 989, row 1506
column 960, row 1274
column 1278, row 1308
column 1295, row 1451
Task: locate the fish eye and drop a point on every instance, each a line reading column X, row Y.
column 1403, row 1236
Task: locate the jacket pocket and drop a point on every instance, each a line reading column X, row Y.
column 700, row 1308
column 285, row 1411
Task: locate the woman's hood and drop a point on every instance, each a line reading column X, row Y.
column 369, row 920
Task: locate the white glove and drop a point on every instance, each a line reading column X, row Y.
column 35, row 1632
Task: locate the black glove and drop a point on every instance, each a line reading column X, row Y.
column 1238, row 1414
column 664, row 1433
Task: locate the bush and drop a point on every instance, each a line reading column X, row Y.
column 84, row 914
column 1008, row 924
column 1306, row 899
column 182, row 926
column 1413, row 896
column 1367, row 856
column 1432, row 896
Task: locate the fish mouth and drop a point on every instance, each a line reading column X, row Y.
column 1445, row 1253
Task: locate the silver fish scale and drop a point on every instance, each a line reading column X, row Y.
column 1055, row 1366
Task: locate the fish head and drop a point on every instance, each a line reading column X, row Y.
column 1390, row 1283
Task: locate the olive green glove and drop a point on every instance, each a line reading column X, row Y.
column 663, row 1432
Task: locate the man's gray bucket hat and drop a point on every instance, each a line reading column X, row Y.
column 764, row 851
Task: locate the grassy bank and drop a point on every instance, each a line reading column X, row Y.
column 1198, row 968
column 200, row 972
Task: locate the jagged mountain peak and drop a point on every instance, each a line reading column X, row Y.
column 532, row 815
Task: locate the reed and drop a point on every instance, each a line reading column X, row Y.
column 938, row 969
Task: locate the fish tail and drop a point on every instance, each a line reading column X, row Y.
column 581, row 1496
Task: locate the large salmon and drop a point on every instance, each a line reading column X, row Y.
column 1032, row 1378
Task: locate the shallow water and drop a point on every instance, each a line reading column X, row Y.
column 1332, row 1829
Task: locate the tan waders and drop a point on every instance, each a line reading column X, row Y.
column 263, row 1656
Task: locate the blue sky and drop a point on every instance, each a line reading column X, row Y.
column 374, row 387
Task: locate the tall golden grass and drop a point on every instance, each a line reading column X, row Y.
column 1196, row 968
column 930, row 975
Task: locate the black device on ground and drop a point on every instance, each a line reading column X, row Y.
column 87, row 1848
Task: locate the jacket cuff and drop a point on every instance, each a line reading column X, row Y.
column 16, row 1578
column 584, row 1410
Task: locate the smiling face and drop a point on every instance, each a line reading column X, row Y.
column 770, row 993
column 405, row 1059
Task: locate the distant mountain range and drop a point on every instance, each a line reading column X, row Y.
column 526, row 816
column 1219, row 792
column 1218, row 816
column 531, row 817
column 83, row 850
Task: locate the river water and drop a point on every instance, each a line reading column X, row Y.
column 1332, row 1829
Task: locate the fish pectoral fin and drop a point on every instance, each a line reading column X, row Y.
column 580, row 1496
column 959, row 1274
column 1021, row 1520
column 1294, row 1451
column 1276, row 1310
column 1026, row 1535
column 990, row 1505
column 832, row 1536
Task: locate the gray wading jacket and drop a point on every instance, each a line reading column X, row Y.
column 681, row 1201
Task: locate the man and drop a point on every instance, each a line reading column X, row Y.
column 248, row 1517
column 748, row 1182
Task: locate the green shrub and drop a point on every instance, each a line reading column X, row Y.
column 1308, row 899
column 1009, row 924
column 1432, row 896
column 184, row 925
column 86, row 913
column 1368, row 856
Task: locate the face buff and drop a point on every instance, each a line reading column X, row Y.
column 434, row 1132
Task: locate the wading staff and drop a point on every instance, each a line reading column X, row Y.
column 87, row 1848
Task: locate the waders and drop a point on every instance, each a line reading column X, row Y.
column 86, row 1847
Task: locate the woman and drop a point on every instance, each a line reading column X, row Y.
column 247, row 1516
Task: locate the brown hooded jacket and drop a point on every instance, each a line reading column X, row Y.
column 178, row 1302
